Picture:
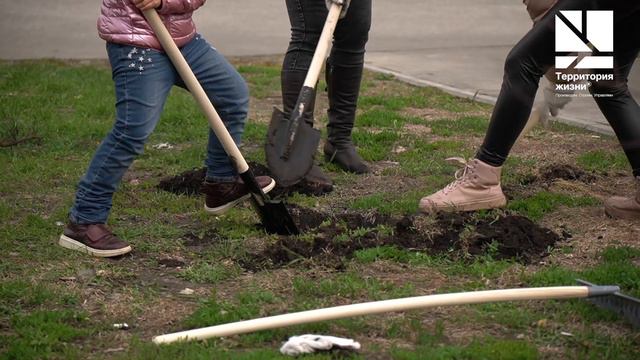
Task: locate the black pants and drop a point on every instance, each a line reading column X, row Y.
column 535, row 54
column 307, row 19
column 344, row 66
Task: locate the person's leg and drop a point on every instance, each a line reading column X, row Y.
column 344, row 75
column 478, row 186
column 614, row 98
column 142, row 79
column 229, row 94
column 142, row 82
column 621, row 109
column 532, row 57
column 524, row 66
column 307, row 20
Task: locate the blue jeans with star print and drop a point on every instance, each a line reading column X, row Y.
column 143, row 79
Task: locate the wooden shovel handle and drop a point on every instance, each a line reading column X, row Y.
column 322, row 50
column 196, row 90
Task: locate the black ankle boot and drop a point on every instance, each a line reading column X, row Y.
column 346, row 158
column 343, row 85
column 291, row 82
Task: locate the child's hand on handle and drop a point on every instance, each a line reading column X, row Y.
column 147, row 4
column 344, row 3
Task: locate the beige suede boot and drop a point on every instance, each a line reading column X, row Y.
column 476, row 187
column 621, row 207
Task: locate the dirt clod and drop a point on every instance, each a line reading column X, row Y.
column 171, row 262
column 516, row 237
column 189, row 182
column 565, row 172
column 207, row 238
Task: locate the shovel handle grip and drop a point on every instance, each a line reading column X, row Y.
column 196, row 90
column 322, row 49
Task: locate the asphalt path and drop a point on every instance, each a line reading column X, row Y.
column 457, row 45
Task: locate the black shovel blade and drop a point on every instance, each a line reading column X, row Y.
column 276, row 219
column 274, row 215
column 289, row 170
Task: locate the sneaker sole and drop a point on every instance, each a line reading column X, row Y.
column 226, row 207
column 69, row 243
column 621, row 215
column 491, row 203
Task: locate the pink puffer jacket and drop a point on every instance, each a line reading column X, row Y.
column 121, row 22
column 539, row 8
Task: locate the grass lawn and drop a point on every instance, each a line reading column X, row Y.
column 55, row 303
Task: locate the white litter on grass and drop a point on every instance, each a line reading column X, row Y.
column 59, row 223
column 163, row 146
column 122, row 326
column 389, row 163
column 309, row 343
column 399, row 149
column 187, row 291
column 564, row 333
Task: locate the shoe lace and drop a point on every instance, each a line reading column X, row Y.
column 462, row 175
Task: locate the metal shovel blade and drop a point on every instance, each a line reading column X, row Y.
column 274, row 215
column 276, row 218
column 288, row 170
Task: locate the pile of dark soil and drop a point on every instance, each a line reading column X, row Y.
column 546, row 176
column 462, row 235
column 188, row 183
column 565, row 172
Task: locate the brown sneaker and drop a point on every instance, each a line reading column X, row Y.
column 476, row 187
column 222, row 196
column 620, row 207
column 95, row 239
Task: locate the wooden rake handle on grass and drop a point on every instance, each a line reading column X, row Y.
column 379, row 307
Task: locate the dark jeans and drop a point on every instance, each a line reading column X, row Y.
column 535, row 54
column 307, row 19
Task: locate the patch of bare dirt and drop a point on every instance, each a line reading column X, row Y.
column 547, row 147
column 111, row 298
column 416, row 129
column 590, row 231
column 428, row 114
column 555, row 176
column 553, row 172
